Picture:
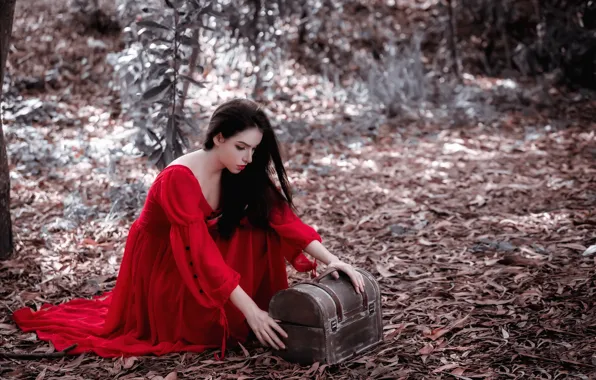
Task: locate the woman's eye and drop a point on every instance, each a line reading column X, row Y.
column 240, row 147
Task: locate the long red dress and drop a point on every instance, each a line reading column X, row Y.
column 176, row 276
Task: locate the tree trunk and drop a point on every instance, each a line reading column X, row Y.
column 6, row 242
column 453, row 39
column 501, row 24
column 303, row 21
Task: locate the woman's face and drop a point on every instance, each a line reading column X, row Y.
column 236, row 151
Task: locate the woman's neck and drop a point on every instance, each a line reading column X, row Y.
column 209, row 163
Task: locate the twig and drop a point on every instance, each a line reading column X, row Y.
column 37, row 355
column 552, row 329
column 566, row 361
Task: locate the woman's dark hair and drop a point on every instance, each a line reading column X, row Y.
column 252, row 192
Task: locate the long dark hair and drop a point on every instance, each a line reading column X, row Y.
column 252, row 192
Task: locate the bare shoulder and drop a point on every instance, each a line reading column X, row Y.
column 189, row 160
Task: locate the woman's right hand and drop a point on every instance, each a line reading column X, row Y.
column 265, row 328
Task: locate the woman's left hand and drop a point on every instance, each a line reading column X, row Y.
column 355, row 276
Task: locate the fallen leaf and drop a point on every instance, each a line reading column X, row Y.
column 117, row 367
column 42, row 374
column 129, row 362
column 425, row 242
column 577, row 247
column 458, row 371
column 88, row 241
column 491, row 302
column 313, row 368
column 427, row 349
column 446, row 367
column 380, row 369
column 7, row 329
column 479, row 200
column 244, row 350
column 590, row 250
column 437, row 333
column 74, row 364
column 505, row 333
column 383, row 271
column 29, row 296
column 172, row 376
column 50, row 349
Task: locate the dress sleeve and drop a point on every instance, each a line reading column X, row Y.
column 294, row 234
column 201, row 265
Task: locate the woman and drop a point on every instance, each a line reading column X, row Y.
column 205, row 255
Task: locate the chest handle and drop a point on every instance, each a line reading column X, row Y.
column 339, row 309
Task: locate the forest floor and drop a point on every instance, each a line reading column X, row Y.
column 479, row 235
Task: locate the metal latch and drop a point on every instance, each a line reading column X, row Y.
column 371, row 308
column 333, row 324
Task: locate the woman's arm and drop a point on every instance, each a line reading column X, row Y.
column 319, row 252
column 243, row 302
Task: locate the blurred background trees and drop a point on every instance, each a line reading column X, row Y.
column 394, row 53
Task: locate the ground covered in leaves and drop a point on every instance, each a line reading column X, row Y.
column 480, row 236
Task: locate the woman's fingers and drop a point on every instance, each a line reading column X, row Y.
column 266, row 340
column 354, row 279
column 360, row 281
column 260, row 338
column 279, row 329
column 265, row 330
column 335, row 275
column 277, row 342
column 357, row 280
column 272, row 339
column 355, row 276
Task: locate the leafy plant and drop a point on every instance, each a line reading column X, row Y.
column 399, row 81
column 156, row 70
column 164, row 44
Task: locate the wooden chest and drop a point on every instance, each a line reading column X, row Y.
column 326, row 320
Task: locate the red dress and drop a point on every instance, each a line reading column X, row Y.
column 176, row 276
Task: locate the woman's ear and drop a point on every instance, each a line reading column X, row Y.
column 218, row 139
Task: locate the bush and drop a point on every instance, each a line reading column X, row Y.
column 398, row 81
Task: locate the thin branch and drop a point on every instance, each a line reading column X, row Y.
column 37, row 355
column 559, row 361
